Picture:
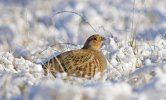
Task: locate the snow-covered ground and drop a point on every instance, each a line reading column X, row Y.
column 31, row 31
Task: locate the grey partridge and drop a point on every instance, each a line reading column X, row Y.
column 84, row 62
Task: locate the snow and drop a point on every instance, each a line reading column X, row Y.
column 31, row 33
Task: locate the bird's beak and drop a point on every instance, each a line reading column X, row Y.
column 103, row 38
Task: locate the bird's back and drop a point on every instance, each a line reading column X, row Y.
column 82, row 62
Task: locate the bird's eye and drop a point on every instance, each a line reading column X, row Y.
column 95, row 38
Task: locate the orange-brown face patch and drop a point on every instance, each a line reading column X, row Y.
column 96, row 41
column 96, row 44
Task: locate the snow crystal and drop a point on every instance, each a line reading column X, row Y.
column 31, row 33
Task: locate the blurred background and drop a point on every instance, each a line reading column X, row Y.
column 135, row 50
column 29, row 26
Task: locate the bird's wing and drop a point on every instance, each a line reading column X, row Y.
column 79, row 62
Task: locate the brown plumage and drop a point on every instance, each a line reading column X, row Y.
column 82, row 62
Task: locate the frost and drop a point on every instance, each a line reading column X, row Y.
column 31, row 33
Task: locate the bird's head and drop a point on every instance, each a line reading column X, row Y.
column 94, row 42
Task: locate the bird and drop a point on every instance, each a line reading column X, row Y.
column 84, row 62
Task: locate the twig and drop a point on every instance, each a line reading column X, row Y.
column 78, row 15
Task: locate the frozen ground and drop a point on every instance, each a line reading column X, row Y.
column 136, row 70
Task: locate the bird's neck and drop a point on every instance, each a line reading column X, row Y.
column 91, row 48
